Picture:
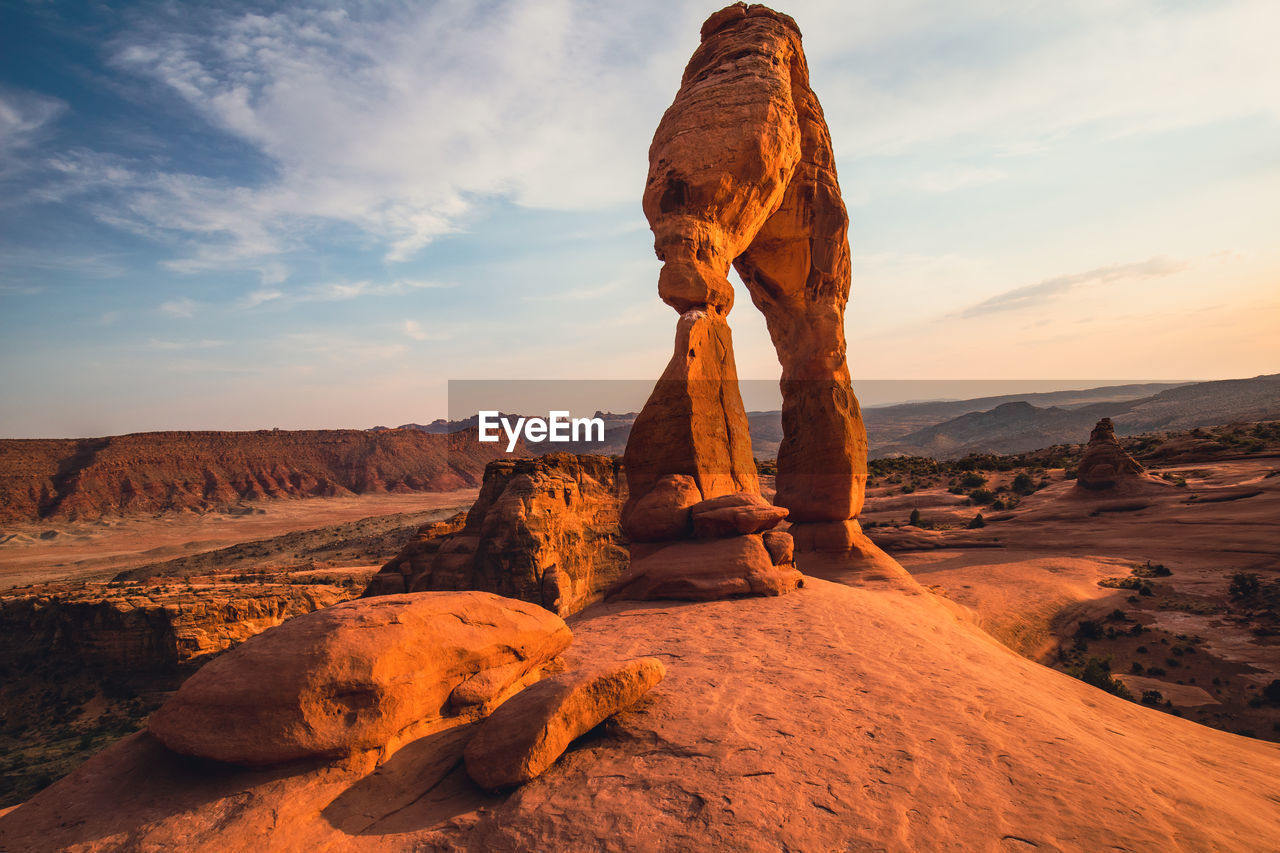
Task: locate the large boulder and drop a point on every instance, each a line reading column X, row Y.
column 531, row 730
column 360, row 675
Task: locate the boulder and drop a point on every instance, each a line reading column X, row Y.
column 663, row 513
column 734, row 515
column 360, row 675
column 781, row 547
column 706, row 570
column 526, row 735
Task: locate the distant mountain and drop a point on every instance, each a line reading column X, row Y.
column 1020, row 426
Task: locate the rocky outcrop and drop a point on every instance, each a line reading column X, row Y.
column 360, row 675
column 526, row 735
column 171, row 471
column 741, row 172
column 543, row 530
column 145, row 627
column 1105, row 467
column 707, row 570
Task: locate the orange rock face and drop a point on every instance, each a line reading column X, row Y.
column 741, row 173
column 360, row 675
column 531, row 730
column 543, row 530
column 1105, row 465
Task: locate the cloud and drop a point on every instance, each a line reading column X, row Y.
column 179, row 308
column 961, row 177
column 404, row 122
column 184, row 345
column 1033, row 295
column 23, row 117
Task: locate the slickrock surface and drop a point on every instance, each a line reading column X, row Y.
column 741, row 172
column 78, row 479
column 543, row 530
column 833, row 718
column 358, row 675
column 525, row 736
column 1105, row 467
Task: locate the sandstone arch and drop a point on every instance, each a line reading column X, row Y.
column 741, row 173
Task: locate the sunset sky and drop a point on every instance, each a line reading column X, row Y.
column 242, row 215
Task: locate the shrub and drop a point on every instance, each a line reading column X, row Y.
column 1244, row 585
column 1152, row 697
column 1023, row 484
column 982, row 496
column 915, row 518
column 1097, row 672
column 1090, row 629
column 977, row 522
column 973, row 480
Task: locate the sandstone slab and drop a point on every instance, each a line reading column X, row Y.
column 358, row 675
column 526, row 735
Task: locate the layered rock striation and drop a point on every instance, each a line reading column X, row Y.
column 544, row 530
column 741, row 174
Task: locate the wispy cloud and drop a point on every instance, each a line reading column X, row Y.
column 179, row 308
column 1033, row 295
column 170, row 346
column 962, row 177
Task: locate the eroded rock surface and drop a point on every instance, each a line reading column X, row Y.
column 1104, row 464
column 741, row 173
column 543, row 530
column 359, row 676
column 706, row 570
column 525, row 736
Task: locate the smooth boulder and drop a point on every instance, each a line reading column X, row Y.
column 360, row 674
column 706, row 570
column 526, row 735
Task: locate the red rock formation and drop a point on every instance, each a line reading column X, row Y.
column 167, row 471
column 1104, row 464
column 543, row 530
column 360, row 675
column 525, row 736
column 741, row 172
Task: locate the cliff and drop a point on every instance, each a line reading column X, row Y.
column 150, row 472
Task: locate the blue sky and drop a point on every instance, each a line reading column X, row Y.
column 244, row 215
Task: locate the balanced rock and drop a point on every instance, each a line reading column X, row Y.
column 706, row 570
column 741, row 174
column 1105, row 465
column 526, row 735
column 735, row 515
column 543, row 530
column 360, row 675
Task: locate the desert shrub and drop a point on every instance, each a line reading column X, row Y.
column 1090, row 629
column 1152, row 697
column 973, row 480
column 1155, row 671
column 1158, row 570
column 982, row 496
column 1117, row 615
column 767, row 466
column 915, row 518
column 1141, row 586
column 977, row 522
column 1271, row 692
column 1023, row 484
column 1244, row 585
column 1097, row 672
column 1137, row 668
column 1069, row 474
column 908, row 488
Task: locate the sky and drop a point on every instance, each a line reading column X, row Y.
column 240, row 215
